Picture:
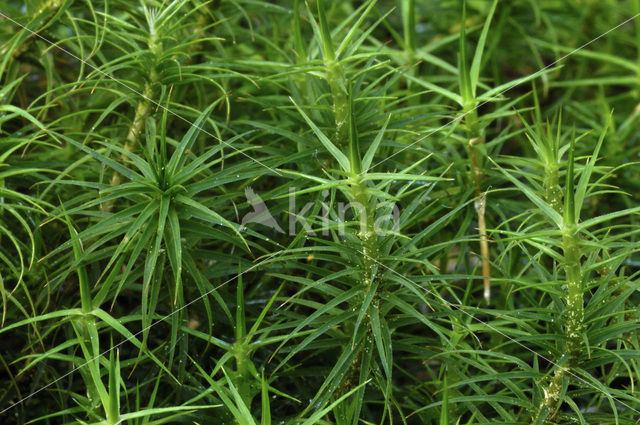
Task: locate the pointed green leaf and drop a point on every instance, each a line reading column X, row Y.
column 343, row 161
column 474, row 74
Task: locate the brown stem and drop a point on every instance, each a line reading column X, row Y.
column 480, row 204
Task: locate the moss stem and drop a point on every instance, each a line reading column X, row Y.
column 337, row 84
column 475, row 139
column 574, row 321
column 367, row 234
column 135, row 129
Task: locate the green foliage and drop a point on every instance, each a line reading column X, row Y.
column 256, row 212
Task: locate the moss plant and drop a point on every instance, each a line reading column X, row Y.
column 329, row 212
column 574, row 309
